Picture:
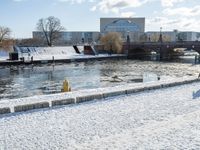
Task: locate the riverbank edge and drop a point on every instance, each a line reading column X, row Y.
column 76, row 97
column 68, row 60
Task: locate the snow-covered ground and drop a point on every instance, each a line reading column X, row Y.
column 47, row 53
column 161, row 119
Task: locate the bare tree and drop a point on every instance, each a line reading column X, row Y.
column 112, row 42
column 155, row 37
column 51, row 28
column 29, row 42
column 4, row 33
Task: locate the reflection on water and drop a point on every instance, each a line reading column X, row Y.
column 22, row 81
column 4, row 54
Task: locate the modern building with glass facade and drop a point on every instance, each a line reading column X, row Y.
column 132, row 27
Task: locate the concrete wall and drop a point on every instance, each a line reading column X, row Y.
column 63, row 102
column 5, row 110
column 27, row 107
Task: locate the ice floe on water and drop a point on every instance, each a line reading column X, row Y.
column 48, row 79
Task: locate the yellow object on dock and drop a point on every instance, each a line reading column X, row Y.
column 66, row 87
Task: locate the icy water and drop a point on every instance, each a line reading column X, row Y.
column 23, row 81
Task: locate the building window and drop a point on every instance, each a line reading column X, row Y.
column 122, row 26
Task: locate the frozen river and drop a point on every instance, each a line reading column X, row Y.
column 23, row 81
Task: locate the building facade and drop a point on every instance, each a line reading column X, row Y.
column 132, row 27
column 189, row 36
column 70, row 38
column 173, row 36
column 167, row 36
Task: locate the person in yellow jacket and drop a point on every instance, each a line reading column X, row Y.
column 66, row 86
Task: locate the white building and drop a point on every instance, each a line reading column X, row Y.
column 72, row 37
column 173, row 36
column 189, row 36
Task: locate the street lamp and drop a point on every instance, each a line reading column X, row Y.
column 192, row 47
column 149, row 38
column 127, row 42
column 110, row 44
column 160, row 38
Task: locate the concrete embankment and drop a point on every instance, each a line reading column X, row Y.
column 68, row 60
column 61, row 99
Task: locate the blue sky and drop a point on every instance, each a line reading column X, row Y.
column 21, row 16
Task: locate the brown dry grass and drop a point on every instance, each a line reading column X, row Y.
column 112, row 42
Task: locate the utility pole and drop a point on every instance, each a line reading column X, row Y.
column 127, row 43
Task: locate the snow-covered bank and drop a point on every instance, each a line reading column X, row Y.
column 45, row 101
column 56, row 53
column 161, row 119
column 47, row 53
